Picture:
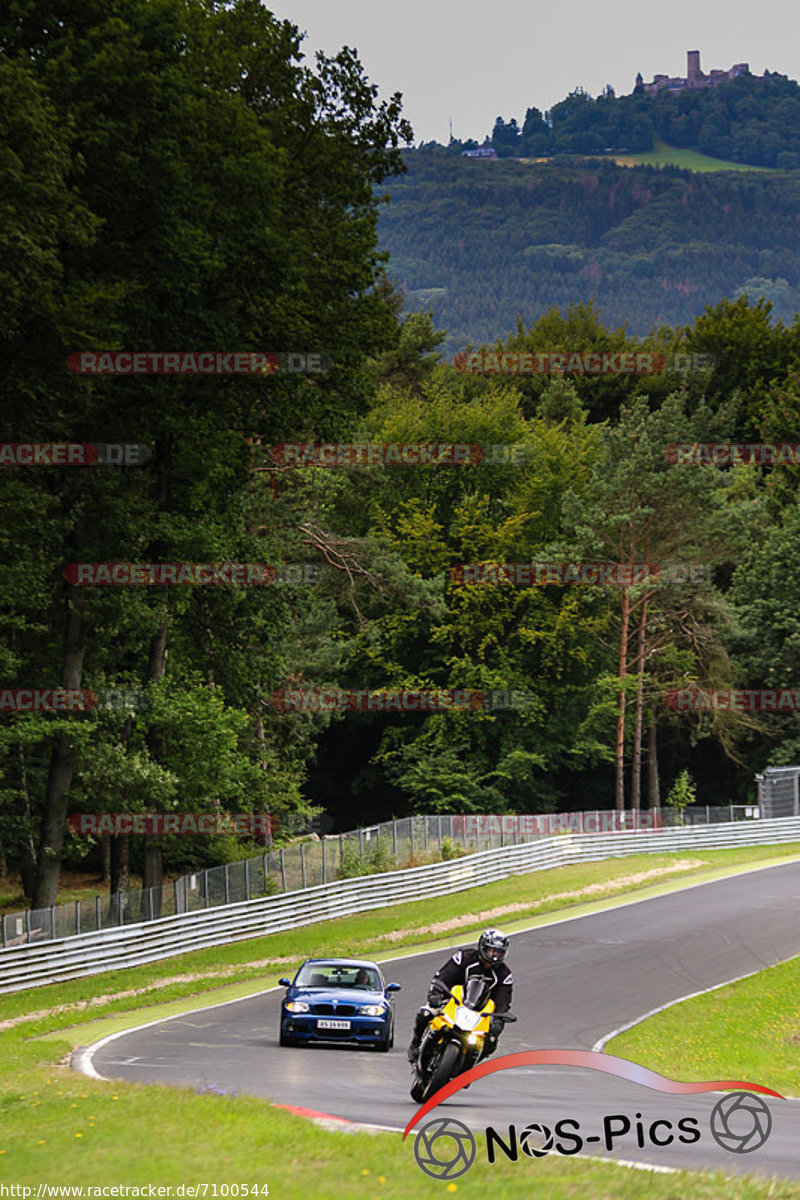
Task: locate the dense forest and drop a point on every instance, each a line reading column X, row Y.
column 482, row 243
column 745, row 120
column 174, row 189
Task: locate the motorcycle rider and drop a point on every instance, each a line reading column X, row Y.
column 487, row 960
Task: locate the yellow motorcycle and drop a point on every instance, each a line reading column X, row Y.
column 455, row 1037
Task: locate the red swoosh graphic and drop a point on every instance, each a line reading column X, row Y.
column 595, row 1061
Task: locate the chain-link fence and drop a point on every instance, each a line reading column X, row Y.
column 391, row 845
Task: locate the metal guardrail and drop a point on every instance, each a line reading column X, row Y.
column 371, row 849
column 89, row 954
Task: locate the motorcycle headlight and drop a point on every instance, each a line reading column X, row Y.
column 298, row 1006
column 372, row 1010
column 466, row 1018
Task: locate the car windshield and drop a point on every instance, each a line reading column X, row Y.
column 334, row 975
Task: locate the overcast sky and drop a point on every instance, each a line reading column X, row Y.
column 474, row 61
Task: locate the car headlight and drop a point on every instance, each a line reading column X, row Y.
column 466, row 1018
column 298, row 1006
column 373, row 1010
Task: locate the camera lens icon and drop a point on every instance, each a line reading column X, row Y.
column 536, row 1140
column 741, row 1122
column 444, row 1148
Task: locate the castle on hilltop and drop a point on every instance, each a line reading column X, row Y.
column 695, row 78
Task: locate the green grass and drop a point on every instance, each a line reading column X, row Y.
column 166, row 1136
column 14, row 900
column 141, row 1135
column 365, row 934
column 746, row 1030
column 663, row 155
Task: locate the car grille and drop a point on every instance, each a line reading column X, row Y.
column 328, row 1010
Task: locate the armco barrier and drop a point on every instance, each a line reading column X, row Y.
column 343, row 856
column 129, row 945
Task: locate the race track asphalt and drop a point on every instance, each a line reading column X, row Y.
column 574, row 982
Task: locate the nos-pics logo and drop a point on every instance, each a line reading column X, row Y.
column 444, row 1148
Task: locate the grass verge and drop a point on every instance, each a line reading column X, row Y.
column 60, row 1128
column 223, row 972
column 745, row 1030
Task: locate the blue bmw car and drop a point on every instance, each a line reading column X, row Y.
column 338, row 1000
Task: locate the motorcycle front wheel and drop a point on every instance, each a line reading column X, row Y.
column 445, row 1068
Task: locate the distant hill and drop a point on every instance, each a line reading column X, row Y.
column 481, row 242
column 750, row 119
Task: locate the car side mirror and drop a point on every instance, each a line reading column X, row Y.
column 392, row 987
column 284, row 982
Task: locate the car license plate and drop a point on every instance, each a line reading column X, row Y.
column 328, row 1023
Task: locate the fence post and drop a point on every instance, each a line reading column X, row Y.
column 708, row 815
column 394, row 840
column 121, row 911
column 227, row 885
column 175, row 894
column 411, row 819
column 3, row 927
column 77, row 916
column 283, row 870
column 28, row 923
column 52, row 920
column 731, row 808
column 303, row 863
column 439, row 828
column 98, row 913
column 150, row 903
column 265, row 864
column 341, row 852
column 247, row 879
column 205, row 884
column 425, row 819
column 361, row 845
column 324, row 859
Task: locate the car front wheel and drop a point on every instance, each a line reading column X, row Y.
column 386, row 1044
